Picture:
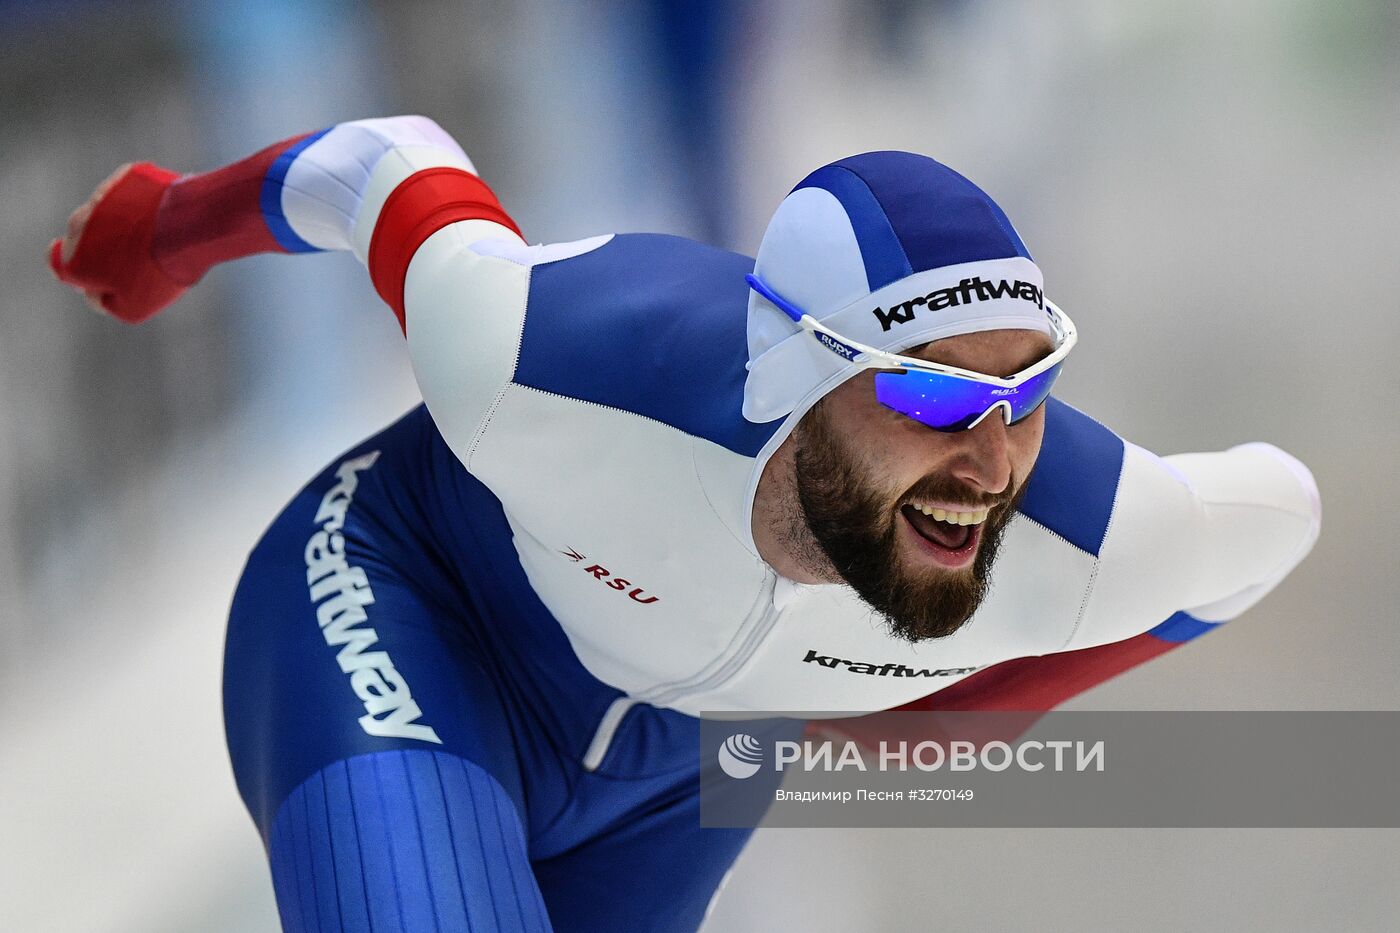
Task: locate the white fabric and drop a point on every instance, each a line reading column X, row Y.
column 1208, row 472
column 466, row 355
column 525, row 255
column 809, row 256
column 333, row 180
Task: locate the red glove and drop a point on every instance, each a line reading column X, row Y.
column 113, row 260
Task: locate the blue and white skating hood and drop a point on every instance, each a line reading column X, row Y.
column 890, row 249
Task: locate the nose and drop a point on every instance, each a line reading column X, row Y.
column 983, row 457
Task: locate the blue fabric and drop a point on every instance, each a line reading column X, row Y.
column 271, row 198
column 1183, row 626
column 403, row 840
column 651, row 324
column 1075, row 480
column 938, row 216
column 478, row 830
column 880, row 249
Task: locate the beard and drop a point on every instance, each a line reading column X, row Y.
column 853, row 524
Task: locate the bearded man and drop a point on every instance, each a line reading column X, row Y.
column 464, row 666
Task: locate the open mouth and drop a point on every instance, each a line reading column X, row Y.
column 950, row 538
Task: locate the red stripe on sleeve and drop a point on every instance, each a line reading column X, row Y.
column 1044, row 682
column 421, row 205
column 1026, row 688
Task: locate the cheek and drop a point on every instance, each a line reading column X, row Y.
column 874, row 436
column 883, row 458
column 902, row 453
column 1024, row 444
column 852, row 405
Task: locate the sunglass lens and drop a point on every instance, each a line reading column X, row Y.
column 944, row 403
column 947, row 403
column 1032, row 393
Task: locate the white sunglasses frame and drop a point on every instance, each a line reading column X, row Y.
column 865, row 357
column 870, row 358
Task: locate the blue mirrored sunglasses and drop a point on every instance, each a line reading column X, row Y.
column 944, row 398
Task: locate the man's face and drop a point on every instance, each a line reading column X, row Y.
column 865, row 475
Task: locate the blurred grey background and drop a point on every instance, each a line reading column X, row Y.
column 1210, row 188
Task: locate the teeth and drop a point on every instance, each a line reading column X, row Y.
column 953, row 518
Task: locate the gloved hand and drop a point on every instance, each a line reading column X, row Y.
column 106, row 253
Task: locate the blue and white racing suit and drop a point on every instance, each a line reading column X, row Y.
column 464, row 664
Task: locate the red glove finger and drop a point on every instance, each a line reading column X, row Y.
column 113, row 254
column 56, row 258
